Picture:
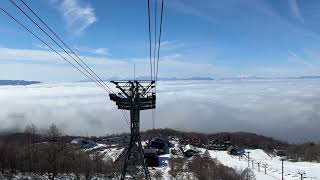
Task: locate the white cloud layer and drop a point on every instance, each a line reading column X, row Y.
column 294, row 7
column 286, row 109
column 97, row 51
column 101, row 51
column 78, row 16
column 44, row 65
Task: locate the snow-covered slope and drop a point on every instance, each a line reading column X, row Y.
column 291, row 169
column 258, row 156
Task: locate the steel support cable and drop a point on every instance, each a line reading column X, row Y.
column 159, row 41
column 125, row 117
column 158, row 57
column 56, row 35
column 155, row 36
column 59, row 45
column 37, row 37
column 17, row 21
column 150, row 56
column 154, row 56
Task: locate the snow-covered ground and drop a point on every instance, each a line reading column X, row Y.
column 291, row 169
column 109, row 152
column 258, row 156
column 273, row 164
column 112, row 153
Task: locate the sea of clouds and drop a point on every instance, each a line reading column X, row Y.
column 284, row 109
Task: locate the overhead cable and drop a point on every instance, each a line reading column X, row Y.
column 55, row 34
column 150, row 53
column 46, row 33
column 54, row 50
column 159, row 40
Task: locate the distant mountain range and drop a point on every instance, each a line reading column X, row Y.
column 210, row 78
column 159, row 78
column 175, row 78
column 268, row 78
column 24, row 82
column 17, row 82
column 309, row 77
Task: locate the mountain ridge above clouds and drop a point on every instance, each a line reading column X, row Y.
column 159, row 78
column 208, row 78
column 18, row 82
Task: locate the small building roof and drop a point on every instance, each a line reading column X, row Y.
column 189, row 148
column 84, row 143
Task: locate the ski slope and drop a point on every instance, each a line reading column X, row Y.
column 273, row 163
column 291, row 169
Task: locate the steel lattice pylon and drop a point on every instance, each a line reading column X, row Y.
column 134, row 96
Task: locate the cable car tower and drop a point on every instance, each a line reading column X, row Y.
column 135, row 96
column 138, row 95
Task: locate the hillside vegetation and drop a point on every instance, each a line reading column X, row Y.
column 50, row 154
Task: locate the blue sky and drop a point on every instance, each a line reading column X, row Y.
column 230, row 38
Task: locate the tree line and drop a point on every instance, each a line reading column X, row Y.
column 49, row 155
column 304, row 152
column 239, row 139
column 309, row 151
column 205, row 168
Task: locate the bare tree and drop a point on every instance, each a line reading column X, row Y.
column 88, row 167
column 2, row 158
column 28, row 131
column 53, row 133
column 98, row 164
column 109, row 169
column 202, row 167
column 12, row 161
column 247, row 174
column 176, row 166
column 158, row 175
column 34, row 131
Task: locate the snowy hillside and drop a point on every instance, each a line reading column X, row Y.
column 291, row 169
column 262, row 165
column 258, row 156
